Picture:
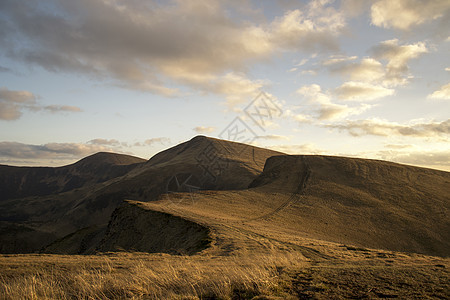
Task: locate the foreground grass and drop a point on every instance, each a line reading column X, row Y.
column 277, row 275
column 143, row 276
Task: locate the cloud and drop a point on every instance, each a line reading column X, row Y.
column 354, row 8
column 404, row 14
column 398, row 146
column 442, row 93
column 111, row 142
column 16, row 96
column 337, row 59
column 302, row 118
column 61, row 108
column 361, row 91
column 365, row 70
column 313, row 30
column 397, row 57
column 308, row 148
column 203, row 129
column 390, row 72
column 385, row 128
column 154, row 45
column 9, row 112
column 4, row 69
column 322, row 105
column 159, row 140
column 49, row 151
column 439, row 159
column 273, row 137
column 13, row 102
column 150, row 142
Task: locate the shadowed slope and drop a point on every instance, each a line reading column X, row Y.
column 18, row 182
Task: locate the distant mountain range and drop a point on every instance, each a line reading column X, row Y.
column 205, row 192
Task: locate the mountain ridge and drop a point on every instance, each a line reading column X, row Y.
column 361, row 202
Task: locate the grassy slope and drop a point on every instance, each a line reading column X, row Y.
column 360, row 202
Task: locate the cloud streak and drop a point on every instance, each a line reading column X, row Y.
column 385, row 128
column 49, row 151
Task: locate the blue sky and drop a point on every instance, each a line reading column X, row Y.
column 353, row 78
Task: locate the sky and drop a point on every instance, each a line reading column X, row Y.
column 350, row 78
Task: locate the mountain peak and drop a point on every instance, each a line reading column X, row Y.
column 109, row 158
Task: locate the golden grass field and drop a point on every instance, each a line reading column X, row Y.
column 362, row 274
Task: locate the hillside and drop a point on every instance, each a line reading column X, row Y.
column 19, row 182
column 220, row 184
column 210, row 163
column 360, row 202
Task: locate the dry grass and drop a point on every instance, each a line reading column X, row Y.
column 275, row 275
column 144, row 277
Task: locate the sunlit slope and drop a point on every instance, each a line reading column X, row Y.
column 360, row 202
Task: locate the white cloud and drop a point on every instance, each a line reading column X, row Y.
column 397, row 57
column 111, row 142
column 323, row 106
column 442, row 93
column 308, row 148
column 404, row 14
column 392, row 73
column 309, row 31
column 366, row 70
column 302, row 118
column 361, row 91
column 204, row 129
column 273, row 137
column 337, row 59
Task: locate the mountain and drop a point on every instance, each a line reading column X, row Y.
column 19, row 182
column 316, row 204
column 215, row 196
column 201, row 163
column 369, row 203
